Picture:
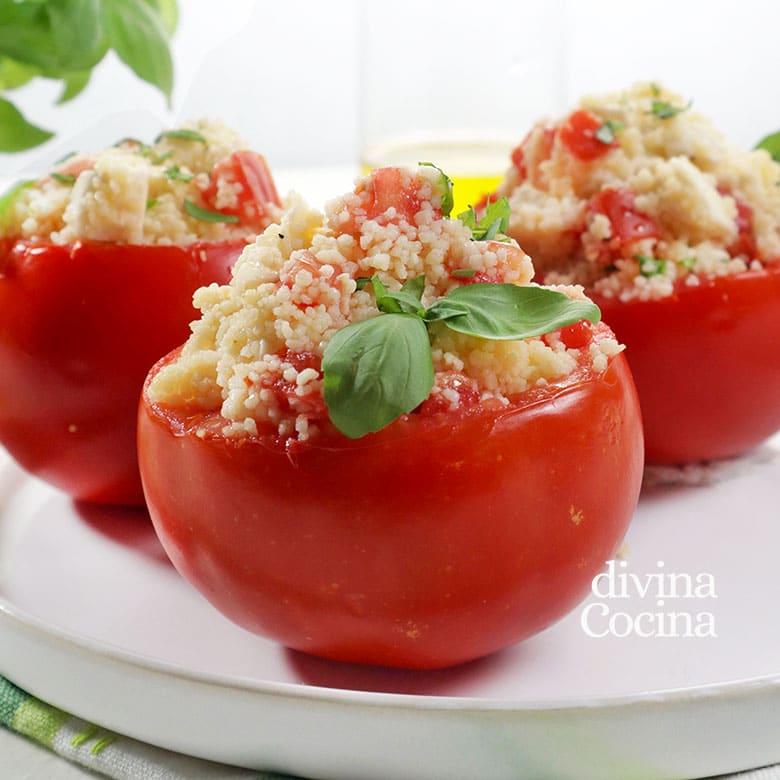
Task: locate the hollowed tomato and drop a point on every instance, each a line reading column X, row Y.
column 80, row 326
column 706, row 364
column 439, row 539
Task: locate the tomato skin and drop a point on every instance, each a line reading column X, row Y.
column 435, row 541
column 80, row 325
column 706, row 365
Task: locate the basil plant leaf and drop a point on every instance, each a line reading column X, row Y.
column 771, row 144
column 493, row 224
column 16, row 133
column 137, row 34
column 397, row 301
column 507, row 311
column 376, row 370
column 73, row 84
column 415, row 286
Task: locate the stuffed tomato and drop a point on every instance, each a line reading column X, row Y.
column 381, row 444
column 98, row 264
column 675, row 233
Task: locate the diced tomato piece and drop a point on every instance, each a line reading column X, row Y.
column 255, row 189
column 578, row 134
column 628, row 224
column 745, row 243
column 577, row 335
column 518, row 160
column 386, row 191
column 465, row 389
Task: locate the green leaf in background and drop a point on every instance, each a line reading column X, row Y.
column 376, row 370
column 16, row 133
column 73, row 84
column 137, row 33
column 771, row 143
column 15, row 74
column 7, row 200
column 169, row 13
column 55, row 36
column 507, row 311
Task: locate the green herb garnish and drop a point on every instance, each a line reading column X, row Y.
column 445, row 183
column 607, row 130
column 64, row 178
column 182, row 134
column 687, row 263
column 151, row 203
column 176, row 174
column 664, row 110
column 378, row 369
column 464, row 273
column 650, row 266
column 493, row 224
column 771, row 143
column 204, row 215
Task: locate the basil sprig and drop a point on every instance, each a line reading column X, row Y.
column 376, row 370
column 494, row 223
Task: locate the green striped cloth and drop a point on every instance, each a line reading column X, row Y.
column 104, row 752
column 122, row 758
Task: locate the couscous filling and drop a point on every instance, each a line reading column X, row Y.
column 195, row 183
column 256, row 353
column 636, row 192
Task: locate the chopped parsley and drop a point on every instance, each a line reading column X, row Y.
column 664, row 110
column 606, row 132
column 204, row 215
column 64, row 178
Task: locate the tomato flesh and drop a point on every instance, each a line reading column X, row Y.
column 628, row 224
column 248, row 172
column 578, row 134
column 706, row 364
column 439, row 539
column 80, row 325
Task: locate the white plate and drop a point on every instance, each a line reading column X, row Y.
column 95, row 620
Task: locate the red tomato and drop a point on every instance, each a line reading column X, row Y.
column 706, row 365
column 248, row 172
column 386, row 191
column 578, row 134
column 439, row 539
column 80, row 325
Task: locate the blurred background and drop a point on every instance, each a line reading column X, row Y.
column 305, row 82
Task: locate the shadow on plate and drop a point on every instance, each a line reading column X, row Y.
column 453, row 680
column 130, row 527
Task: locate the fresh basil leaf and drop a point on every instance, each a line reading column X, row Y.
column 649, row 266
column 664, row 110
column 771, row 143
column 361, row 282
column 157, row 159
column 493, row 224
column 174, row 173
column 606, row 132
column 687, row 263
column 445, row 183
column 73, row 85
column 15, row 74
column 464, row 273
column 136, row 32
column 182, row 134
column 204, row 215
column 64, row 178
column 169, row 13
column 58, row 36
column 8, row 199
column 508, row 311
column 376, row 370
column 415, row 286
column 16, row 133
